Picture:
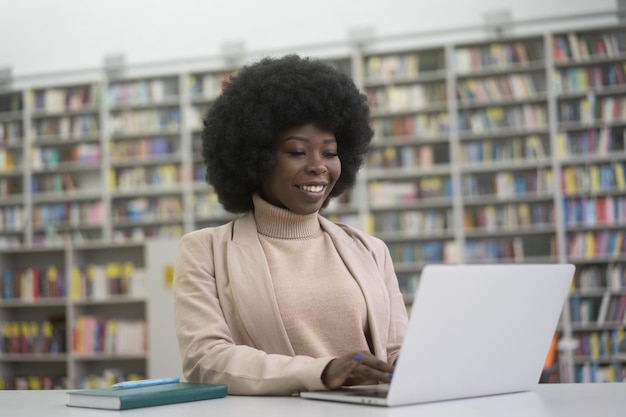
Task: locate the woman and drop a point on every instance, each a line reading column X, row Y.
column 282, row 300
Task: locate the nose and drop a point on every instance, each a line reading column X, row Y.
column 316, row 165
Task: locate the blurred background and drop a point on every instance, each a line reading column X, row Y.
column 38, row 36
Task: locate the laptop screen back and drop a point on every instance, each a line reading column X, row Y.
column 479, row 330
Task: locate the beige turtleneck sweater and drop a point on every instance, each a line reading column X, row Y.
column 321, row 304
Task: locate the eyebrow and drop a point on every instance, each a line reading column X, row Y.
column 305, row 139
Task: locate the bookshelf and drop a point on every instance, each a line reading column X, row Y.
column 590, row 89
column 145, row 167
column 495, row 150
column 506, row 178
column 64, row 163
column 408, row 170
column 202, row 89
column 83, row 317
column 12, row 155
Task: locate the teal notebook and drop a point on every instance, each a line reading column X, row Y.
column 126, row 398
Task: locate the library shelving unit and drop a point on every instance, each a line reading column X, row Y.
column 507, row 149
column 408, row 172
column 506, row 174
column 64, row 170
column 506, row 161
column 590, row 99
column 202, row 89
column 106, row 296
column 146, row 171
column 34, row 334
column 12, row 181
column 83, row 316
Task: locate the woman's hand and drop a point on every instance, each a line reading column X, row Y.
column 356, row 368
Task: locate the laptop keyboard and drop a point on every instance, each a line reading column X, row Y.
column 367, row 392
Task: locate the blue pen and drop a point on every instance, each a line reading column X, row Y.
column 145, row 383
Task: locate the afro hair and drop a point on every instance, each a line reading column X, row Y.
column 267, row 98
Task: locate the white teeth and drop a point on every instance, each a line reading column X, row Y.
column 312, row 188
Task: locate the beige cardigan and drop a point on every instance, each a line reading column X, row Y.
column 227, row 321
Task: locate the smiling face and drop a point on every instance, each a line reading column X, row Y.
column 306, row 170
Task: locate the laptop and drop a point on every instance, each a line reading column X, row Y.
column 474, row 330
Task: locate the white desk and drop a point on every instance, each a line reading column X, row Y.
column 548, row 400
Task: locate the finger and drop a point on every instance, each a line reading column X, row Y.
column 348, row 365
column 367, row 373
column 375, row 363
column 341, row 370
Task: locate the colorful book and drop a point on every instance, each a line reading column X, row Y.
column 146, row 396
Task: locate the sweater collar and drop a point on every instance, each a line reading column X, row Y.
column 280, row 223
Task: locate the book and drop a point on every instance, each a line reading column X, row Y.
column 147, row 396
